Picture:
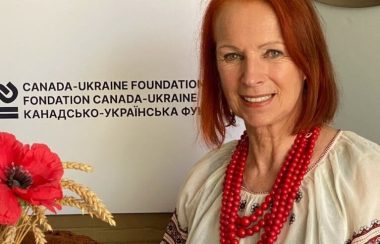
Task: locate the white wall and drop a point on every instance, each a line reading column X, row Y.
column 353, row 36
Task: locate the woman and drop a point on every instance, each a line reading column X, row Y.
column 291, row 178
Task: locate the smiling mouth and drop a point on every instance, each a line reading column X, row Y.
column 258, row 99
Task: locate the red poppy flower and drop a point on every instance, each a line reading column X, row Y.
column 32, row 174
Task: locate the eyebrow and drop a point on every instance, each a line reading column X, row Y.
column 260, row 46
column 228, row 46
column 271, row 43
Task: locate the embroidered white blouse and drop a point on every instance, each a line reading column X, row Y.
column 338, row 201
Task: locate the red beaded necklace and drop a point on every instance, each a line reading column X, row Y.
column 274, row 211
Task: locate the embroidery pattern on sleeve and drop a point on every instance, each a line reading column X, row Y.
column 367, row 235
column 174, row 234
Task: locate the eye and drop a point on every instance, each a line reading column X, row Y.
column 230, row 57
column 272, row 54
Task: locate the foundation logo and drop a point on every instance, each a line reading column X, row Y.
column 8, row 94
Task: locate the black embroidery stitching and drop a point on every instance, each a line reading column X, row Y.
column 254, row 207
column 173, row 232
column 364, row 230
column 243, row 204
column 292, row 218
column 299, row 196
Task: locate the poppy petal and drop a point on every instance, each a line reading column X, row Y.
column 45, row 195
column 10, row 149
column 44, row 165
column 10, row 209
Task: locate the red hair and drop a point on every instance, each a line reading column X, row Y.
column 306, row 45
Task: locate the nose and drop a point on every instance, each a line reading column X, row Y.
column 253, row 72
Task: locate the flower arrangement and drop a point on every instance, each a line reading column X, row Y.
column 30, row 183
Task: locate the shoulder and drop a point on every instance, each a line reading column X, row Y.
column 203, row 184
column 347, row 157
column 352, row 140
column 350, row 158
column 348, row 172
column 343, row 187
column 212, row 161
column 209, row 169
column 354, row 151
column 352, row 170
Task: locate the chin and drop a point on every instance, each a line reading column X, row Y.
column 256, row 123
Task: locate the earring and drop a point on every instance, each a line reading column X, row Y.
column 232, row 119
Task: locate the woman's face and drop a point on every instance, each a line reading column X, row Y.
column 260, row 81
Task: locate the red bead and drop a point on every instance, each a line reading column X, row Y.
column 234, row 242
column 265, row 206
column 277, row 222
column 241, row 233
column 290, row 202
column 233, row 218
column 245, row 221
column 261, row 223
column 231, row 235
column 253, row 218
column 231, row 227
column 270, row 240
column 277, row 197
column 289, row 207
column 268, row 199
column 275, row 228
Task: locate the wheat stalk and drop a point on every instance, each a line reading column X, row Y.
column 78, row 166
column 39, row 235
column 82, row 191
column 100, row 211
column 41, row 219
column 8, row 235
column 93, row 203
column 24, row 226
column 2, row 232
column 76, row 203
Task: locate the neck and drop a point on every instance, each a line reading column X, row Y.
column 267, row 149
